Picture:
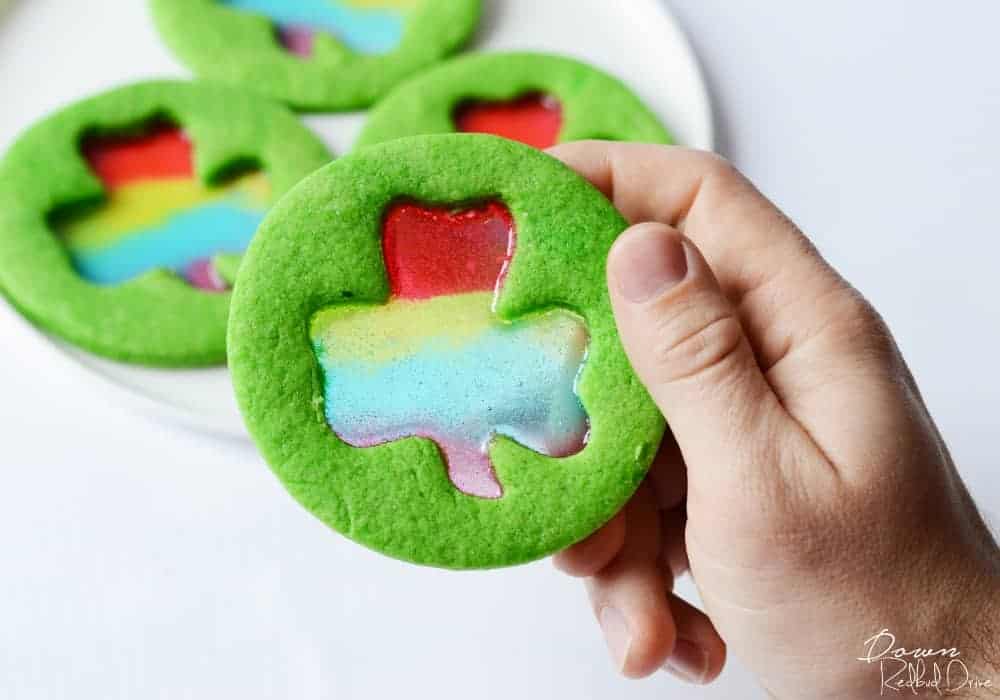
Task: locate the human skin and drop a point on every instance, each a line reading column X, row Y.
column 804, row 486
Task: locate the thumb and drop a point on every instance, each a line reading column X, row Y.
column 686, row 344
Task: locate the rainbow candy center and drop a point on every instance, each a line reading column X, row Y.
column 158, row 214
column 366, row 26
column 437, row 362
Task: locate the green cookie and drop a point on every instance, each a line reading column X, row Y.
column 152, row 317
column 329, row 253
column 243, row 46
column 594, row 104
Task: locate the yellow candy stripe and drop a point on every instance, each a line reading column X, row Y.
column 147, row 203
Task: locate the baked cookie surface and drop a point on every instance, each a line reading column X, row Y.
column 122, row 217
column 314, row 55
column 423, row 349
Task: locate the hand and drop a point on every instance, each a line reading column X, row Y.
column 804, row 481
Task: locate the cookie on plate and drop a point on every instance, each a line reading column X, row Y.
column 423, row 349
column 122, row 217
column 315, row 55
column 538, row 99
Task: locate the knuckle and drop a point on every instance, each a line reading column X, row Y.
column 856, row 308
column 859, row 328
column 572, row 564
column 715, row 166
column 695, row 341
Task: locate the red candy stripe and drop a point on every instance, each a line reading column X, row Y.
column 533, row 119
column 162, row 152
column 430, row 251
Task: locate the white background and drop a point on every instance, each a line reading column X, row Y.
column 143, row 560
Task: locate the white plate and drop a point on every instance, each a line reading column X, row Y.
column 637, row 41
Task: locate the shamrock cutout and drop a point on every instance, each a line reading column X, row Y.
column 534, row 119
column 158, row 214
column 436, row 362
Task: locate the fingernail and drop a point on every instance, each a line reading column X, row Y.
column 688, row 662
column 651, row 260
column 617, row 635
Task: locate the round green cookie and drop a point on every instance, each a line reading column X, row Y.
column 594, row 104
column 321, row 248
column 155, row 318
column 242, row 48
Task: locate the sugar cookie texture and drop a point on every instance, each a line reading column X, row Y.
column 538, row 99
column 158, row 214
column 436, row 362
column 108, row 222
column 322, row 262
column 318, row 55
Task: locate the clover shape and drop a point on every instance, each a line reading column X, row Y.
column 436, row 362
column 157, row 214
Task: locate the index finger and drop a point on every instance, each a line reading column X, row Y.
column 765, row 265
